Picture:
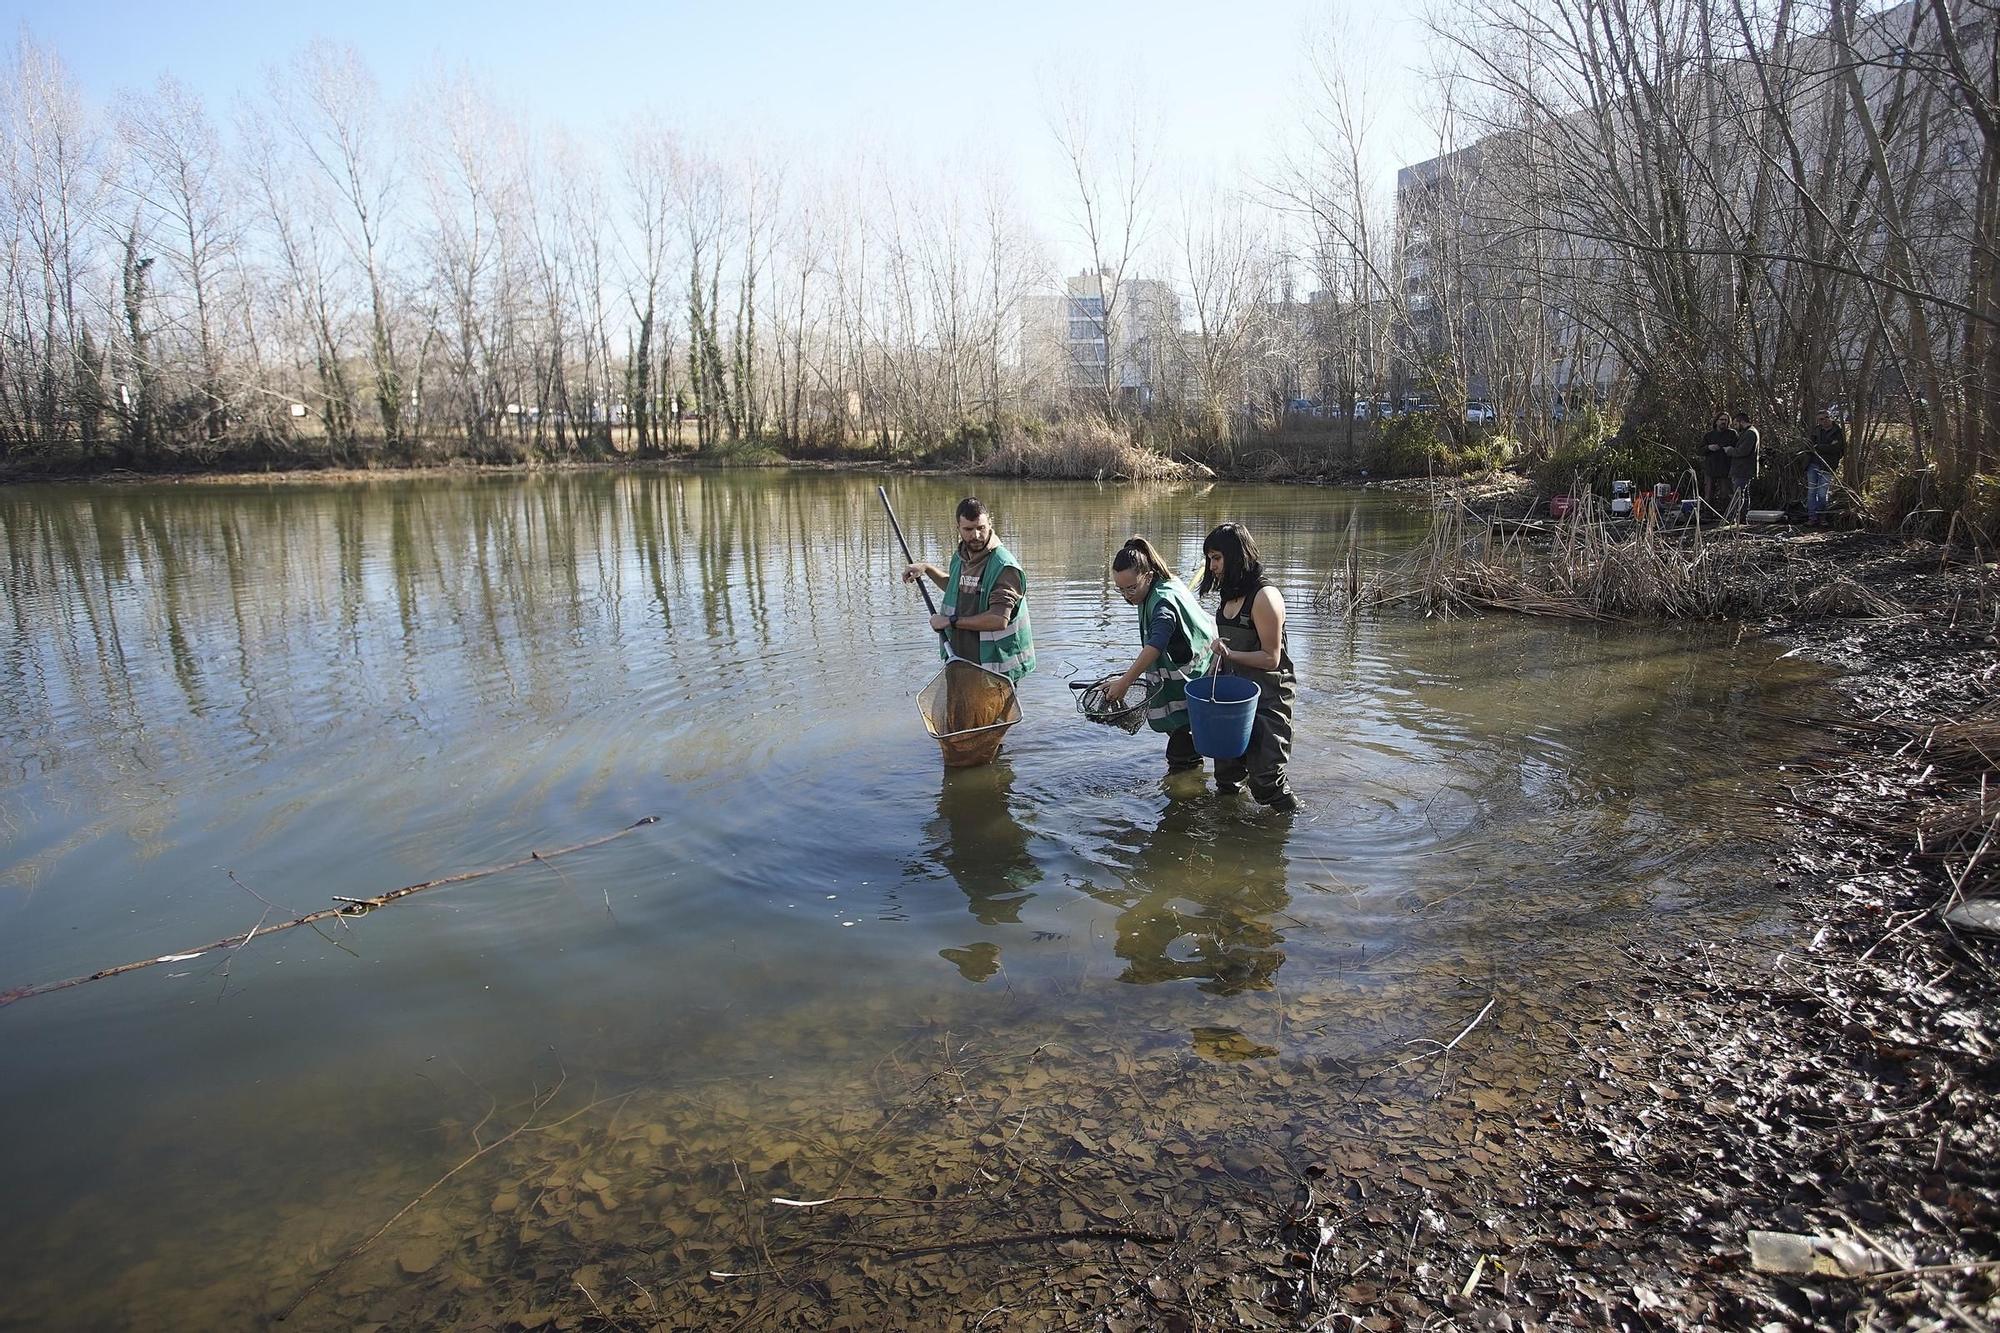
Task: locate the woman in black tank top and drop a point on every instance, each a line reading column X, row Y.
column 1250, row 638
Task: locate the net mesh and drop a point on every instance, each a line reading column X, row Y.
column 968, row 709
column 1130, row 715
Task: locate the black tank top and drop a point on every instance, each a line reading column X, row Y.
column 1240, row 633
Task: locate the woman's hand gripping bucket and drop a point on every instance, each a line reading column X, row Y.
column 1221, row 712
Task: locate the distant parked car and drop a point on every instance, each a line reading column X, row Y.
column 1300, row 407
column 1480, row 414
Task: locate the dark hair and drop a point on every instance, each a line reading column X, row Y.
column 1139, row 554
column 1242, row 571
column 971, row 507
column 1741, row 415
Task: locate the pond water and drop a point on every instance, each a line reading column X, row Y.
column 224, row 705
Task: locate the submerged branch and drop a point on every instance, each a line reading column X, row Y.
column 351, row 907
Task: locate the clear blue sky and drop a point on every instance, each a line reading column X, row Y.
column 923, row 80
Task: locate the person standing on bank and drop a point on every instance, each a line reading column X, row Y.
column 1742, row 467
column 1824, row 451
column 984, row 610
column 1250, row 638
column 1715, row 447
column 1174, row 634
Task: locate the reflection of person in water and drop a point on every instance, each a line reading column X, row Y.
column 1198, row 900
column 985, row 851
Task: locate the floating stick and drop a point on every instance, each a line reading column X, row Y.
column 350, row 907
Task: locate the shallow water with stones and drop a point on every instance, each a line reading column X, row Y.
column 1054, row 996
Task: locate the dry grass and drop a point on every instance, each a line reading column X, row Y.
column 1588, row 567
column 1079, row 448
column 1963, row 829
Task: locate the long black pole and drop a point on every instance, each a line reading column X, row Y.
column 922, row 586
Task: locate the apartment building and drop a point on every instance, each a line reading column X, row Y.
column 1536, row 262
column 1068, row 341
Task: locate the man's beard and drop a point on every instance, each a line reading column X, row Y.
column 969, row 549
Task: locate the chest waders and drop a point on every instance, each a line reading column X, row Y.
column 1263, row 764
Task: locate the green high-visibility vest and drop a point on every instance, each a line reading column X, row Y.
column 1011, row 650
column 1166, row 682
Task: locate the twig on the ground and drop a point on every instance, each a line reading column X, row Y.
column 1011, row 1238
column 1477, row 1018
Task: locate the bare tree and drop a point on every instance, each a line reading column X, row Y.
column 652, row 167
column 470, row 173
column 56, row 171
column 1112, row 214
column 701, row 204
column 180, row 179
column 1329, row 184
column 1227, row 273
column 307, row 299
column 330, row 104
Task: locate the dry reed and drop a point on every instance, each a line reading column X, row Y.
column 1079, row 447
column 1590, row 566
column 1964, row 824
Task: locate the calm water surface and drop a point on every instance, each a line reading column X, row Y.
column 221, row 705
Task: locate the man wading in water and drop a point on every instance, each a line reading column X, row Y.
column 985, row 603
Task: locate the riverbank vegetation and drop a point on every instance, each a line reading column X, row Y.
column 1590, row 565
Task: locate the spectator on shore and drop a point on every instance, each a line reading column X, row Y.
column 1742, row 467
column 1824, row 451
column 1715, row 447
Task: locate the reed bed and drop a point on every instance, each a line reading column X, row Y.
column 1590, row 566
column 1078, row 447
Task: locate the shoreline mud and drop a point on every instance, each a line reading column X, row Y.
column 1824, row 1099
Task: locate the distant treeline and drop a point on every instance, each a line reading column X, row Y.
column 1633, row 217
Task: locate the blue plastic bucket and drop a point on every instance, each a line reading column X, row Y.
column 1221, row 711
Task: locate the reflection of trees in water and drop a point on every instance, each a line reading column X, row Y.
column 193, row 603
column 1198, row 899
